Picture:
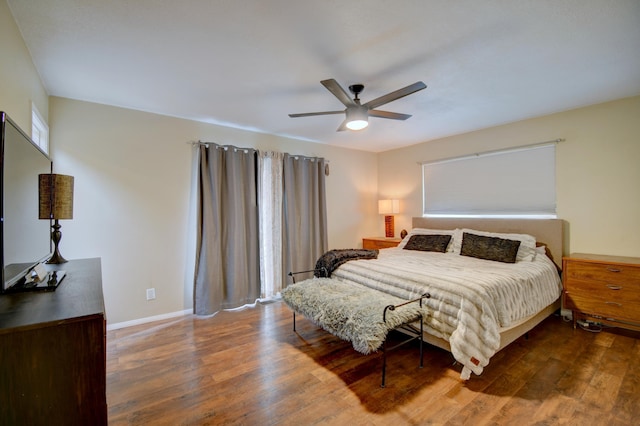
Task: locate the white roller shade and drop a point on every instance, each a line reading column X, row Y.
column 516, row 182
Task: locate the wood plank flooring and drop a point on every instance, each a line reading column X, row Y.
column 249, row 368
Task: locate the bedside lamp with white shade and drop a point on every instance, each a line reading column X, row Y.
column 389, row 208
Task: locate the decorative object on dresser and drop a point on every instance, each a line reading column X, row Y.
column 373, row 243
column 602, row 289
column 56, row 202
column 389, row 208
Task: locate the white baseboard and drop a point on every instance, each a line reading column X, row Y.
column 146, row 320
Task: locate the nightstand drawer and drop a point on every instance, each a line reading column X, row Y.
column 379, row 243
column 609, row 273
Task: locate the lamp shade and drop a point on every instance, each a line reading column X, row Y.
column 56, row 196
column 388, row 207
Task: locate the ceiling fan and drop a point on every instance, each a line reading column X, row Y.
column 357, row 115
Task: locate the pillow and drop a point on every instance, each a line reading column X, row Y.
column 433, row 242
column 489, row 248
column 425, row 231
column 526, row 251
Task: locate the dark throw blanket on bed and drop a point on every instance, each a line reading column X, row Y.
column 328, row 262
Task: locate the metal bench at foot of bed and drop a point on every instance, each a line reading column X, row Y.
column 336, row 307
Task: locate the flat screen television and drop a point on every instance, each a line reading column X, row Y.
column 26, row 240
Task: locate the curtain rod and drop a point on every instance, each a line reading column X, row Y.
column 492, row 152
column 217, row 145
column 255, row 149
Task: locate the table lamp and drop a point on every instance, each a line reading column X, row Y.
column 388, row 208
column 56, row 202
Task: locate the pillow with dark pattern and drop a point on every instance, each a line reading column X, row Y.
column 436, row 243
column 489, row 248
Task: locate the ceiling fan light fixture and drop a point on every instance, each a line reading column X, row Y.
column 357, row 118
column 357, row 124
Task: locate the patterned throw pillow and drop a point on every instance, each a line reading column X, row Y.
column 489, row 248
column 437, row 243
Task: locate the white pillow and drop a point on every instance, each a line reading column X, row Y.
column 526, row 251
column 425, row 231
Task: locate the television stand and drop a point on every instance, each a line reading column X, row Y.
column 53, row 351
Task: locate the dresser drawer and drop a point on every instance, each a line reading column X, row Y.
column 618, row 309
column 602, row 290
column 602, row 272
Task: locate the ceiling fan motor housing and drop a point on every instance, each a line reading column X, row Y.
column 356, row 89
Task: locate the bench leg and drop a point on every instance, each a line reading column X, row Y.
column 294, row 321
column 384, row 361
column 421, row 342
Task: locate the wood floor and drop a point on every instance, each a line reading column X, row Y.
column 250, row 368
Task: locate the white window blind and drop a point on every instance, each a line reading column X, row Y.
column 514, row 182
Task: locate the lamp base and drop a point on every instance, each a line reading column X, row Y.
column 389, row 230
column 56, row 259
column 56, row 236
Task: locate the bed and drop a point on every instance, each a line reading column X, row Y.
column 477, row 306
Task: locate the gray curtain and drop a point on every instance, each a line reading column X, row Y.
column 227, row 254
column 305, row 212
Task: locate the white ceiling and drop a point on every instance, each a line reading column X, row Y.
column 249, row 63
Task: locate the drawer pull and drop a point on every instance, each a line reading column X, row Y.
column 613, row 270
column 614, row 287
column 613, row 303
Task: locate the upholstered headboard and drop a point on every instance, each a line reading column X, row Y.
column 548, row 232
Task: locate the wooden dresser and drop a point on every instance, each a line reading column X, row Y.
column 373, row 243
column 604, row 289
column 53, row 351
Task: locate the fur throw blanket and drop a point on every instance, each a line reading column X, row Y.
column 328, row 262
column 349, row 311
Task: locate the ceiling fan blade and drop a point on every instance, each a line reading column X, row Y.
column 401, row 93
column 338, row 91
column 387, row 114
column 309, row 114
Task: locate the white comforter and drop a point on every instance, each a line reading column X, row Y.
column 471, row 299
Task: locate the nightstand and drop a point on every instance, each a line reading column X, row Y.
column 604, row 289
column 372, row 243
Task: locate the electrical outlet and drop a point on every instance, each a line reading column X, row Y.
column 151, row 293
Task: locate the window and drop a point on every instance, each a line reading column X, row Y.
column 39, row 129
column 517, row 182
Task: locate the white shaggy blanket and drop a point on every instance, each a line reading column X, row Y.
column 349, row 311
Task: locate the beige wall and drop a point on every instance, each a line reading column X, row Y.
column 20, row 83
column 598, row 171
column 132, row 197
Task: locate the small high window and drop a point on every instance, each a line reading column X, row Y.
column 39, row 129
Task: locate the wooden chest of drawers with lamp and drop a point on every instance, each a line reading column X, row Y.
column 373, row 243
column 602, row 289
